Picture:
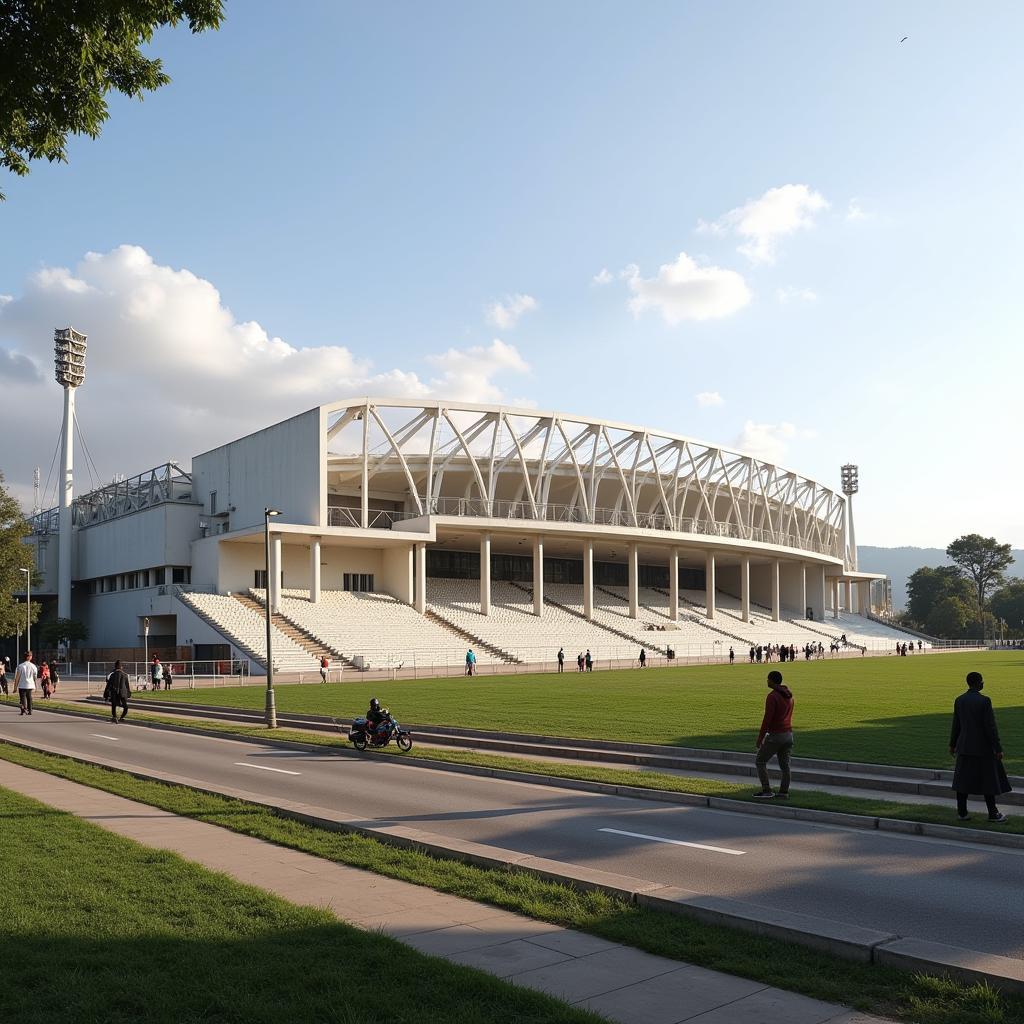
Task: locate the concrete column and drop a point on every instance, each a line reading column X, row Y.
column 588, row 579
column 775, row 591
column 849, row 595
column 538, row 576
column 709, row 582
column 673, row 585
column 634, row 581
column 421, row 578
column 745, row 588
column 276, row 573
column 816, row 591
column 835, row 597
column 314, row 570
column 864, row 597
column 485, row 574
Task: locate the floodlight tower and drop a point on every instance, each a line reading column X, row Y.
column 69, row 369
column 851, row 484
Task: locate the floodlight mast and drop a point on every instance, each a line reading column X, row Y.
column 850, row 477
column 69, row 370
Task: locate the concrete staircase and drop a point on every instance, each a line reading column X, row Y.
column 703, row 622
column 296, row 633
column 472, row 639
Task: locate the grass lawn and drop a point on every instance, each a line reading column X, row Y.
column 97, row 928
column 104, row 930
column 884, row 710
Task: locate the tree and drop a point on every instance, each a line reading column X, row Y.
column 14, row 556
column 60, row 58
column 1008, row 604
column 70, row 630
column 949, row 618
column 928, row 586
column 983, row 560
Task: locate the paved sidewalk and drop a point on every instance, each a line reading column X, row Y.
column 622, row 983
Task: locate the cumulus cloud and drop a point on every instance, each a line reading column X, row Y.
column 769, row 441
column 854, row 211
column 602, row 277
column 791, row 294
column 762, row 222
column 706, row 399
column 505, row 313
column 172, row 371
column 685, row 290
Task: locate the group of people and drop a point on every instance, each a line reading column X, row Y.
column 27, row 677
column 160, row 675
column 902, row 650
column 780, row 652
column 974, row 741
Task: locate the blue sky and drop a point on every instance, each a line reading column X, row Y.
column 372, row 179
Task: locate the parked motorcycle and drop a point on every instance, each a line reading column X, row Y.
column 363, row 735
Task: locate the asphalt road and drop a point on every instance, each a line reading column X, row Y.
column 940, row 890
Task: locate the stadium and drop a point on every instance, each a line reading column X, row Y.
column 410, row 531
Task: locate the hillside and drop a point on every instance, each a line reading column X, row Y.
column 899, row 563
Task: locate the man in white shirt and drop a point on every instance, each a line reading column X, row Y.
column 26, row 681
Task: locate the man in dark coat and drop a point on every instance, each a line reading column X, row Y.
column 979, row 754
column 117, row 692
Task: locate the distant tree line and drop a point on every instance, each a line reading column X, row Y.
column 970, row 598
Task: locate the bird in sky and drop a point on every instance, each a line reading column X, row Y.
column 904, row 39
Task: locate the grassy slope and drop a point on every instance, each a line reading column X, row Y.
column 877, row 710
column 261, row 965
column 102, row 929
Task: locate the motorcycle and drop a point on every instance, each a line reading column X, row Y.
column 363, row 735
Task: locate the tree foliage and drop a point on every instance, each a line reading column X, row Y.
column 60, row 58
column 58, row 630
column 14, row 556
column 928, row 586
column 950, row 618
column 983, row 560
column 1008, row 604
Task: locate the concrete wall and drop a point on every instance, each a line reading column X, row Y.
column 152, row 537
column 792, row 594
column 115, row 620
column 761, row 585
column 396, row 575
column 280, row 466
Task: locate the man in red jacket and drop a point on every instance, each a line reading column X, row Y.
column 776, row 737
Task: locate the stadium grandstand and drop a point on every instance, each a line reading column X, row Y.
column 410, row 531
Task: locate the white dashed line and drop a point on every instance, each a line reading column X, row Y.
column 100, row 736
column 674, row 842
column 265, row 768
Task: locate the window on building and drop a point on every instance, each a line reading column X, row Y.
column 181, row 574
column 361, row 582
column 159, row 576
column 213, row 503
column 131, row 580
column 260, row 579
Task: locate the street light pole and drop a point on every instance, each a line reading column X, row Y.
column 28, row 608
column 271, row 710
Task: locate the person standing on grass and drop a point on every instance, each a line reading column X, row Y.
column 470, row 662
column 579, row 662
column 589, row 662
column 25, row 680
column 643, row 658
column 168, row 676
column 156, row 673
column 117, row 691
column 974, row 740
column 561, row 659
column 732, row 656
column 775, row 738
column 325, row 665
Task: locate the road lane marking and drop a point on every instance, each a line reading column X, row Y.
column 100, row 736
column 674, row 842
column 265, row 768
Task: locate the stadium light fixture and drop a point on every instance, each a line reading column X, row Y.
column 271, row 710
column 850, row 478
column 69, row 357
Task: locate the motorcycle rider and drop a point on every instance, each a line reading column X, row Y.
column 376, row 716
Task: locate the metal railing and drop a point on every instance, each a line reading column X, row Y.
column 211, row 671
column 379, row 519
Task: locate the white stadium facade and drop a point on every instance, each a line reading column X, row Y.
column 409, row 531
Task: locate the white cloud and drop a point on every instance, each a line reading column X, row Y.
column 172, row 372
column 706, row 399
column 505, row 314
column 769, row 441
column 854, row 211
column 684, row 290
column 791, row 294
column 602, row 277
column 763, row 221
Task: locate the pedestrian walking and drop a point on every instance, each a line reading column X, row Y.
column 44, row 679
column 775, row 738
column 325, row 665
column 974, row 740
column 117, row 691
column 25, row 680
column 589, row 661
column 470, row 662
column 3, row 676
column 54, row 677
column 643, row 658
column 561, row 659
column 579, row 662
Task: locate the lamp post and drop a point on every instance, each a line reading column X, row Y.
column 271, row 710
column 28, row 608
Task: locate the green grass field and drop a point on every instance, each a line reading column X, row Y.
column 100, row 929
column 876, row 710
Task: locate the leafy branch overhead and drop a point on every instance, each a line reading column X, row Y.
column 60, row 58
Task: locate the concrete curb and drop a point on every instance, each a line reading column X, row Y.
column 835, row 937
column 806, row 814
